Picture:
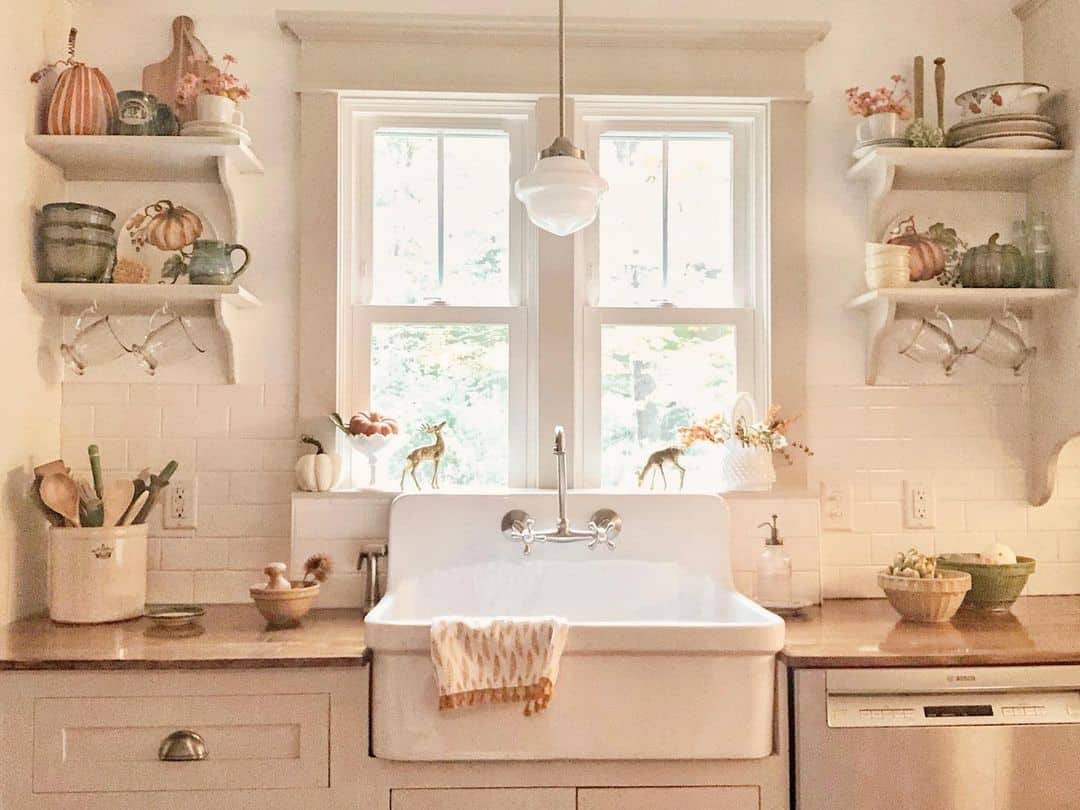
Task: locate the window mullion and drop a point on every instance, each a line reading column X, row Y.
column 664, row 214
column 440, row 218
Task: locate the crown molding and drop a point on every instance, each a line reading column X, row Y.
column 330, row 26
column 1026, row 8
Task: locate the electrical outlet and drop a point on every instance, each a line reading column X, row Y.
column 181, row 504
column 836, row 501
column 918, row 505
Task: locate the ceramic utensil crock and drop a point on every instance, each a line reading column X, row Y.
column 97, row 575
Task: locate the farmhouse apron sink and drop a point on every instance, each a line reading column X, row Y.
column 664, row 659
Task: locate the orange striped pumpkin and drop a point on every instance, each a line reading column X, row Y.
column 83, row 103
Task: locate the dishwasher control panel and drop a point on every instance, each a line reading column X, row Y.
column 883, row 710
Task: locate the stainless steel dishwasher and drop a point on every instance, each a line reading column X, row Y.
column 940, row 739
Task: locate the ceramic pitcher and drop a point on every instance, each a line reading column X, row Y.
column 211, row 262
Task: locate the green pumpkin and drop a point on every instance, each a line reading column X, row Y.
column 993, row 265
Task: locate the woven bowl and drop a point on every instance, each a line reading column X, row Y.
column 993, row 587
column 285, row 608
column 926, row 600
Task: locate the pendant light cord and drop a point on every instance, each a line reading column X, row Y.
column 562, row 72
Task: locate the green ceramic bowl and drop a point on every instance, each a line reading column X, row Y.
column 993, row 587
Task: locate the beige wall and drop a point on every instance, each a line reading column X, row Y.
column 30, row 408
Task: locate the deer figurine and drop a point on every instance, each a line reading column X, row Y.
column 656, row 462
column 429, row 452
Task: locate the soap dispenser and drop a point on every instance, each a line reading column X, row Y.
column 773, row 569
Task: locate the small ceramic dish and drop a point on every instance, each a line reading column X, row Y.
column 170, row 617
column 1009, row 98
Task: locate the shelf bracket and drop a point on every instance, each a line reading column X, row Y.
column 879, row 318
column 227, row 175
column 878, row 187
column 226, row 317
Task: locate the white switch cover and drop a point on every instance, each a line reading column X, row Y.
column 918, row 505
column 181, row 504
column 836, row 500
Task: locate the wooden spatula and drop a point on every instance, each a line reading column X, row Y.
column 161, row 78
column 117, row 497
column 60, row 493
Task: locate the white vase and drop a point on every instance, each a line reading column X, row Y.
column 219, row 109
column 880, row 125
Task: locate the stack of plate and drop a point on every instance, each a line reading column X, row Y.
column 215, row 129
column 865, row 147
column 1010, row 131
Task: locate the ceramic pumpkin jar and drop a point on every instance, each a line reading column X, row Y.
column 927, row 257
column 993, row 265
column 83, row 101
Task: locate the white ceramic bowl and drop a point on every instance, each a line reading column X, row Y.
column 889, row 262
column 1007, row 98
column 883, row 249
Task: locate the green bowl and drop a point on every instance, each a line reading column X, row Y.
column 993, row 587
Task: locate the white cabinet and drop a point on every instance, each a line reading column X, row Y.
column 743, row 797
column 483, row 799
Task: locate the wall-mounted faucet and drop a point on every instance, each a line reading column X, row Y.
column 603, row 527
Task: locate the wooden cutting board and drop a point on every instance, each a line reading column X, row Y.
column 161, row 78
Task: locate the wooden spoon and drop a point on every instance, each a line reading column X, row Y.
column 60, row 493
column 117, row 497
column 133, row 510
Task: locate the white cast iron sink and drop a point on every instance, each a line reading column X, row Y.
column 664, row 659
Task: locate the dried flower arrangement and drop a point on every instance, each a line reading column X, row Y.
column 219, row 83
column 893, row 99
column 770, row 435
column 317, row 568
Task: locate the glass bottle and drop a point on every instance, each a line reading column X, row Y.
column 1042, row 254
column 773, row 569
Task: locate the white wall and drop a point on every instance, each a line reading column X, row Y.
column 30, row 409
column 885, row 434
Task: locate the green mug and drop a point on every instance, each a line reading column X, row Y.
column 211, row 262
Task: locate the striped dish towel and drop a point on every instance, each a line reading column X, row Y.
column 500, row 660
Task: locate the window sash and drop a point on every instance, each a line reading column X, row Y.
column 516, row 319
column 743, row 319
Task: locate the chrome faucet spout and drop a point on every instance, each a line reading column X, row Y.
column 561, row 526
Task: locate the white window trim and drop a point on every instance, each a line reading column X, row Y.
column 747, row 123
column 359, row 119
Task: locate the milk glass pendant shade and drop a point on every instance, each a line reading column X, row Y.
column 563, row 192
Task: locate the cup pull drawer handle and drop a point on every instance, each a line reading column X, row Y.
column 182, row 746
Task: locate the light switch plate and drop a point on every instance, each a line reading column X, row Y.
column 181, row 505
column 837, row 498
column 918, row 505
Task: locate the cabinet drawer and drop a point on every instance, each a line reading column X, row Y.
column 743, row 797
column 110, row 744
column 482, row 799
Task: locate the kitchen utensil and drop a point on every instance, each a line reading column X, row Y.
column 136, row 506
column 97, row 574
column 157, row 483
column 170, row 343
column 80, row 259
column 932, row 344
column 993, row 587
column 211, row 262
column 73, row 213
column 285, row 609
column 118, row 496
column 929, row 599
column 174, row 616
column 162, row 78
column 1004, row 347
column 93, row 345
column 1007, row 98
column 91, row 509
column 94, row 454
column 60, row 493
column 159, row 235
column 49, row 467
column 917, row 80
column 939, row 90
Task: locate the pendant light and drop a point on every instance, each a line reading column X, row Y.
column 562, row 192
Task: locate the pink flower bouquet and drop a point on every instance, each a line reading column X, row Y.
column 215, row 83
column 893, row 99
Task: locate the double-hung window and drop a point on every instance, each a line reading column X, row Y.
column 675, row 316
column 436, row 256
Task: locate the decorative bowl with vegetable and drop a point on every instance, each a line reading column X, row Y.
column 921, row 593
column 998, row 576
column 369, row 433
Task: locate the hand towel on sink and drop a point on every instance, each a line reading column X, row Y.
column 501, row 660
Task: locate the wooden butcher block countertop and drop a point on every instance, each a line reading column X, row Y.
column 232, row 637
column 869, row 633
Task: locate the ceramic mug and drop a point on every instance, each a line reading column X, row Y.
column 220, row 109
column 167, row 344
column 211, row 262
column 880, row 125
column 933, row 344
column 93, row 344
column 1004, row 347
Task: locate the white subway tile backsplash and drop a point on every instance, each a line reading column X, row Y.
column 170, row 586
column 84, row 393
column 127, row 421
column 233, row 396
column 193, row 553
column 996, row 515
column 198, row 421
column 225, row 586
column 877, row 516
column 156, row 453
column 845, row 548
column 214, row 488
column 277, row 394
column 162, row 394
column 1069, row 546
column 73, row 449
column 264, row 422
column 244, row 521
column 77, row 419
column 255, row 553
column 261, row 487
